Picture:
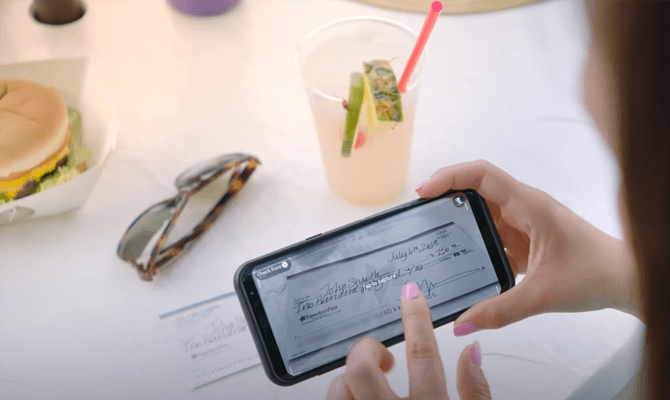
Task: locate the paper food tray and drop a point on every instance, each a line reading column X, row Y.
column 83, row 88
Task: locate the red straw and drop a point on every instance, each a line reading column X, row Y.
column 435, row 9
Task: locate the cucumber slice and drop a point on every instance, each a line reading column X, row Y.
column 354, row 105
column 382, row 96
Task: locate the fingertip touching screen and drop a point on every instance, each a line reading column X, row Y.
column 320, row 299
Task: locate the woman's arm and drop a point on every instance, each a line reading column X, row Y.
column 569, row 264
column 624, row 282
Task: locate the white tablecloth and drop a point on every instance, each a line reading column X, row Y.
column 77, row 323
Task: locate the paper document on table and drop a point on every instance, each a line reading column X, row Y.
column 211, row 339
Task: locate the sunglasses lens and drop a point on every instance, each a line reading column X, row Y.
column 200, row 172
column 203, row 190
column 198, row 206
column 145, row 231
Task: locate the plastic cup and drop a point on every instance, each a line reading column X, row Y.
column 376, row 171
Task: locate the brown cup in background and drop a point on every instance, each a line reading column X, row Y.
column 57, row 12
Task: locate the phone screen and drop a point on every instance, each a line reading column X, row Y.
column 320, row 299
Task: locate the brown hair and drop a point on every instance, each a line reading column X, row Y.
column 634, row 40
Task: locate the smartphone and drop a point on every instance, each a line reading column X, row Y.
column 307, row 304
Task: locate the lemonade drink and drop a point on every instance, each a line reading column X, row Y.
column 376, row 170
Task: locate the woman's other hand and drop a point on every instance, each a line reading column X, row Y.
column 569, row 265
column 368, row 361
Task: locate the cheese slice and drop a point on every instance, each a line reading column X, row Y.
column 12, row 187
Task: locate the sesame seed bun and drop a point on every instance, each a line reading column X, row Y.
column 34, row 127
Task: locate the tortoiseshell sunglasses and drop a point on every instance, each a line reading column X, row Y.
column 145, row 244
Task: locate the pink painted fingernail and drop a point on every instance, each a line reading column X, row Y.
column 464, row 329
column 423, row 182
column 476, row 354
column 410, row 291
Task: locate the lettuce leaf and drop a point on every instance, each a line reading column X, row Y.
column 76, row 162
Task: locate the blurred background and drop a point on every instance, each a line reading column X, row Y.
column 502, row 83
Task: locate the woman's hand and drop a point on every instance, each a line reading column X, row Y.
column 569, row 265
column 369, row 360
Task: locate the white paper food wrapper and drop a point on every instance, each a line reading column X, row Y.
column 83, row 88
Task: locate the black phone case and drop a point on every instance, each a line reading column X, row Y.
column 253, row 323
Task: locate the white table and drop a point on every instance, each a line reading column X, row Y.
column 77, row 323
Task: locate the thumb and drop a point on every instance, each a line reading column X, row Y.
column 499, row 311
column 470, row 380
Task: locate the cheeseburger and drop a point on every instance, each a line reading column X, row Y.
column 36, row 143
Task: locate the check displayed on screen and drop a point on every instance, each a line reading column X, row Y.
column 332, row 302
column 320, row 298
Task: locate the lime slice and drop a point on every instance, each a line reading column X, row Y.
column 382, row 97
column 354, row 106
